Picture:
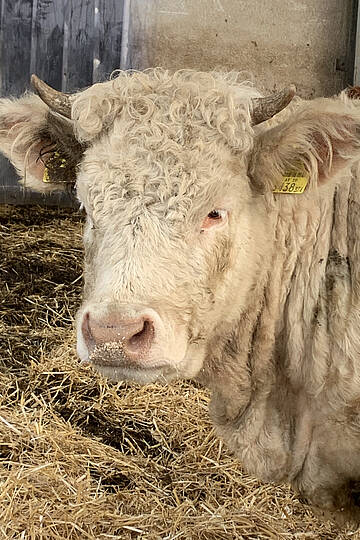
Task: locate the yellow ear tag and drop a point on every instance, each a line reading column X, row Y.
column 46, row 178
column 55, row 159
column 293, row 182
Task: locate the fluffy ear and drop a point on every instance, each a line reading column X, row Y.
column 32, row 138
column 321, row 136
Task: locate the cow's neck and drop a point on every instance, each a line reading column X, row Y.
column 267, row 370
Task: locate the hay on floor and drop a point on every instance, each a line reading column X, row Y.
column 82, row 458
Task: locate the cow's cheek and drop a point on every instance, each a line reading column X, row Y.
column 170, row 341
column 193, row 362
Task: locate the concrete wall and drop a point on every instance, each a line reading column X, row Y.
column 307, row 42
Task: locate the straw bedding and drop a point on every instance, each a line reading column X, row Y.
column 82, row 458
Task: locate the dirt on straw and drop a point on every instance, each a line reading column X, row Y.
column 82, row 458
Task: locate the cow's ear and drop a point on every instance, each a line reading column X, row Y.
column 321, row 137
column 29, row 137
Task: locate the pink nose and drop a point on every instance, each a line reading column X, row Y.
column 115, row 338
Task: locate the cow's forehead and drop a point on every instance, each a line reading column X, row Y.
column 160, row 139
column 118, row 174
column 156, row 102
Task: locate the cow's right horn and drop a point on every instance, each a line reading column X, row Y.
column 57, row 101
column 266, row 107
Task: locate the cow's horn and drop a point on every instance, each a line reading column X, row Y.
column 266, row 107
column 57, row 101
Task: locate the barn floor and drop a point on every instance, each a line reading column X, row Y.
column 81, row 458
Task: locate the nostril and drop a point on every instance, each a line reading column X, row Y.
column 142, row 339
column 139, row 336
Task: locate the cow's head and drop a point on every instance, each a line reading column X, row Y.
column 177, row 190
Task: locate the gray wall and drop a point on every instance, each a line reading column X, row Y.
column 307, row 42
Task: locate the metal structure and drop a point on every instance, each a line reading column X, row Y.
column 357, row 48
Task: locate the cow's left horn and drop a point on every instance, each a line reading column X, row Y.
column 57, row 101
column 266, row 107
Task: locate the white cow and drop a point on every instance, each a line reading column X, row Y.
column 217, row 250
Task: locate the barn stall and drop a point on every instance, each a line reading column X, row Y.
column 81, row 457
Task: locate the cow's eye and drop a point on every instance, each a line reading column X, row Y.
column 215, row 217
column 214, row 214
